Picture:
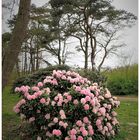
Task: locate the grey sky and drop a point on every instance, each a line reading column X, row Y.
column 129, row 36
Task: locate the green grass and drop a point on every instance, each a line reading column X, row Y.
column 127, row 116
column 10, row 121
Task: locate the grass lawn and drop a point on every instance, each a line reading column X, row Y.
column 127, row 116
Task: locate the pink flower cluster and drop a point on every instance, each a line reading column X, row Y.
column 65, row 110
column 83, row 128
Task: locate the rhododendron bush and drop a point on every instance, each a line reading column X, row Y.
column 66, row 106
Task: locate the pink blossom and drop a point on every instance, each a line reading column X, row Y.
column 31, row 119
column 54, row 82
column 109, row 107
column 94, row 110
column 65, row 125
column 69, row 97
column 38, row 93
column 89, row 138
column 64, row 77
column 35, row 88
column 98, row 122
column 59, row 104
column 82, row 128
column 56, row 98
column 85, row 120
column 84, row 133
column 91, row 132
column 114, row 114
column 73, row 131
column 75, row 102
column 22, row 101
column 100, row 127
column 109, row 126
column 47, row 116
column 73, row 137
column 17, row 89
column 61, row 112
column 55, row 120
column 106, row 128
column 47, row 90
column 63, row 116
column 26, row 94
column 101, row 97
column 16, row 109
column 107, row 95
column 33, row 97
column 66, row 94
column 72, row 81
column 53, row 103
column 82, row 81
column 24, row 89
column 56, row 132
column 65, row 101
column 80, row 138
column 92, row 102
column 90, row 127
column 42, row 100
column 112, row 132
column 40, row 84
column 79, row 123
column 61, row 123
column 102, row 110
column 105, row 105
column 29, row 97
column 78, row 88
column 87, row 98
column 86, row 107
column 83, row 101
column 83, row 91
column 67, row 138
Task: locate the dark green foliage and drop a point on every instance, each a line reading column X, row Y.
column 122, row 87
column 93, row 76
column 33, row 79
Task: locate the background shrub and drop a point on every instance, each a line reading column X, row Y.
column 93, row 76
column 36, row 77
column 123, row 81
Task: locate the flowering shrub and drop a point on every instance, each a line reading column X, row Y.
column 66, row 106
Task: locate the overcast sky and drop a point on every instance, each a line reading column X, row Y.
column 129, row 36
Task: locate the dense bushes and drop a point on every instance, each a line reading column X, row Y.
column 123, row 81
column 66, row 106
column 93, row 76
column 33, row 79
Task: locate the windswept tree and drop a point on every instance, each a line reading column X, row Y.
column 91, row 18
column 17, row 37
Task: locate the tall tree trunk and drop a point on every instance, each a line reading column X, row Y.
column 18, row 35
column 93, row 50
column 37, row 58
column 25, row 60
column 17, row 68
column 59, row 51
column 86, row 52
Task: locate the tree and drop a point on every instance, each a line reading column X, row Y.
column 90, row 18
column 109, row 45
column 18, row 35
